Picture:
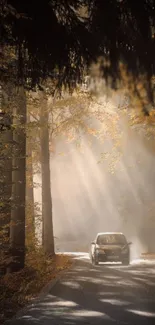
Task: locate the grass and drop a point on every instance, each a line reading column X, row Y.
column 18, row 289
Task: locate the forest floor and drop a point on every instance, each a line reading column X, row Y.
column 19, row 289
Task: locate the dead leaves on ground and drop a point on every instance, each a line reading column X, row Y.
column 18, row 289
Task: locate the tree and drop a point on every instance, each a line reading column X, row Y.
column 16, row 172
column 31, row 29
column 48, row 237
column 17, row 226
column 5, row 173
column 30, row 66
column 117, row 32
column 128, row 39
column 53, row 116
column 30, row 204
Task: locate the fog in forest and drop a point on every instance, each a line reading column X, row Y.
column 90, row 196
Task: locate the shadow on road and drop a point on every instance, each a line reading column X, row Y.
column 103, row 294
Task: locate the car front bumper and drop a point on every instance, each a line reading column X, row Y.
column 111, row 256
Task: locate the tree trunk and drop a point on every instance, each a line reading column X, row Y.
column 30, row 210
column 5, row 181
column 17, row 227
column 47, row 229
column 5, row 194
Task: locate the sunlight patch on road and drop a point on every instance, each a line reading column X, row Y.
column 108, row 293
column 112, row 277
column 127, row 282
column 142, row 313
column 75, row 254
column 71, row 284
column 28, row 318
column 62, row 303
column 89, row 313
column 84, row 256
column 116, row 302
column 143, row 261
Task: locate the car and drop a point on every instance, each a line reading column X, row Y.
column 110, row 247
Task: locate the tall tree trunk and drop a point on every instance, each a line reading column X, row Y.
column 47, row 229
column 30, row 210
column 17, row 227
column 5, row 182
column 5, row 192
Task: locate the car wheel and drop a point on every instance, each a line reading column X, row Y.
column 126, row 262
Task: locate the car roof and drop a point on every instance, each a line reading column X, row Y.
column 110, row 233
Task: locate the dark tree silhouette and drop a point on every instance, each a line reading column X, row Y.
column 124, row 31
column 48, row 36
column 52, row 34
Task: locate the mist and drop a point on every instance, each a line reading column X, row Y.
column 89, row 196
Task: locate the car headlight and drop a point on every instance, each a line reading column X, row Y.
column 99, row 250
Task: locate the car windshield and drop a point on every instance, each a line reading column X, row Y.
column 112, row 239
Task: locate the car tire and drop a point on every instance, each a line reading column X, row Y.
column 126, row 262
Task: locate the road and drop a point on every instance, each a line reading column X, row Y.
column 104, row 294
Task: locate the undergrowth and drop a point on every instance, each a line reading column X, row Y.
column 18, row 289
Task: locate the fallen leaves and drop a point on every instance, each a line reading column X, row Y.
column 18, row 289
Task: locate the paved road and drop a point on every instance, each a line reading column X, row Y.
column 106, row 294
